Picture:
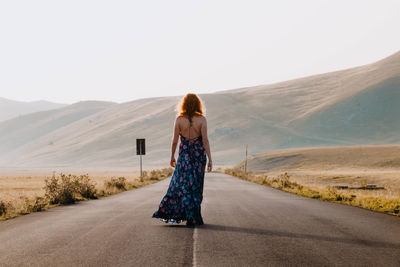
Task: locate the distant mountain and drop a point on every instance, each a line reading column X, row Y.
column 27, row 131
column 10, row 108
column 349, row 107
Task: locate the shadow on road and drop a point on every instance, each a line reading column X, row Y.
column 255, row 231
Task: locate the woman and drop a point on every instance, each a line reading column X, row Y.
column 182, row 202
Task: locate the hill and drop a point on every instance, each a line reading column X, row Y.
column 344, row 158
column 349, row 107
column 10, row 108
column 25, row 133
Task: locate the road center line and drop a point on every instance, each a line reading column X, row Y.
column 194, row 262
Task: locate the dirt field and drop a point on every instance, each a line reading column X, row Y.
column 16, row 187
column 330, row 166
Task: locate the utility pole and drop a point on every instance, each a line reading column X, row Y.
column 245, row 162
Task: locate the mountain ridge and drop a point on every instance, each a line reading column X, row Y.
column 12, row 108
column 266, row 117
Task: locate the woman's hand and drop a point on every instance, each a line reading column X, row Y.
column 209, row 166
column 173, row 162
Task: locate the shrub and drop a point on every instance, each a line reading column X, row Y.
column 38, row 204
column 160, row 174
column 156, row 175
column 117, row 183
column 145, row 176
column 85, row 187
column 284, row 181
column 52, row 189
column 3, row 208
column 32, row 205
column 168, row 171
column 240, row 174
column 68, row 188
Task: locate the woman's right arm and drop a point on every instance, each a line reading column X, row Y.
column 206, row 143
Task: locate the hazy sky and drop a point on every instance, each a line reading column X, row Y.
column 66, row 51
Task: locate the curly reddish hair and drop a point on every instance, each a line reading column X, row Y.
column 190, row 105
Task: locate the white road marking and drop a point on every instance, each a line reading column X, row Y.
column 194, row 263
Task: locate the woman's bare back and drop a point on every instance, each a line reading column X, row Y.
column 190, row 132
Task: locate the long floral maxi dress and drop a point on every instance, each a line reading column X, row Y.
column 185, row 191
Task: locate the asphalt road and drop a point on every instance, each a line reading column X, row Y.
column 245, row 225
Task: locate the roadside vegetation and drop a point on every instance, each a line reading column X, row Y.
column 64, row 189
column 373, row 200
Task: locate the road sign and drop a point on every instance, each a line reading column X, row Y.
column 140, row 147
column 140, row 150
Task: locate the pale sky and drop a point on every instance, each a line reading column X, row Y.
column 67, row 51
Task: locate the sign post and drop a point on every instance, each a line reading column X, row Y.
column 140, row 150
column 245, row 163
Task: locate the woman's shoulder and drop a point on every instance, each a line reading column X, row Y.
column 200, row 116
column 195, row 116
column 202, row 119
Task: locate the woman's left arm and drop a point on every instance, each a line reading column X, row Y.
column 174, row 143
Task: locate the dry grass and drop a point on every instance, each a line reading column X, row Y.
column 25, row 194
column 387, row 201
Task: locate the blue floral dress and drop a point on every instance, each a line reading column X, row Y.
column 185, row 191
